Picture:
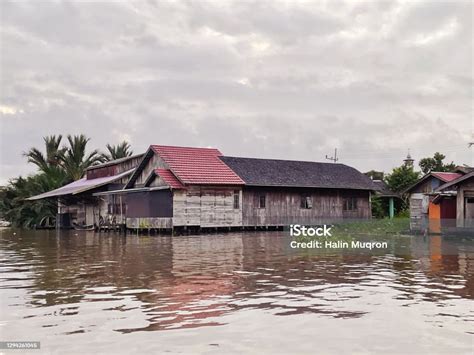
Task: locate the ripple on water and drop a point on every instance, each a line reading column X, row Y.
column 241, row 283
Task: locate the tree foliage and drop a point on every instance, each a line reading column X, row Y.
column 400, row 179
column 23, row 213
column 436, row 163
column 118, row 151
column 76, row 160
column 57, row 166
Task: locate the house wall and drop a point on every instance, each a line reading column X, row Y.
column 448, row 208
column 155, row 162
column 465, row 210
column 429, row 185
column 417, row 203
column 81, row 212
column 283, row 205
column 150, row 204
column 150, row 209
column 113, row 169
column 206, row 207
column 197, row 206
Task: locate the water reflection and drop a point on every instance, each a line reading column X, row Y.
column 77, row 283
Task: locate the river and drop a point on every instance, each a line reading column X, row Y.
column 89, row 293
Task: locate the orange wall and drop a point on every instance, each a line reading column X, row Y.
column 434, row 211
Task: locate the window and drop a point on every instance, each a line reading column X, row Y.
column 262, row 201
column 350, row 204
column 236, row 199
column 470, row 200
column 306, row 202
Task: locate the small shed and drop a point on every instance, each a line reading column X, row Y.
column 421, row 194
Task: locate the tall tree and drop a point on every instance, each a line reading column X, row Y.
column 53, row 156
column 436, row 163
column 118, row 151
column 75, row 160
column 401, row 178
column 49, row 164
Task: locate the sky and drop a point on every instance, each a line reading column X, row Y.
column 279, row 79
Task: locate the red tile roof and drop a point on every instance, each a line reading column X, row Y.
column 169, row 178
column 446, row 177
column 197, row 165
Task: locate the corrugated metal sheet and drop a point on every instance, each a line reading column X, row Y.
column 81, row 185
column 446, row 177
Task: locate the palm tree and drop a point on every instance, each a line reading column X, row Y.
column 53, row 156
column 118, row 151
column 75, row 161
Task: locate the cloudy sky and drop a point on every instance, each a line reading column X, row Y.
column 287, row 79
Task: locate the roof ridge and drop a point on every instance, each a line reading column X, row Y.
column 181, row 146
column 290, row 160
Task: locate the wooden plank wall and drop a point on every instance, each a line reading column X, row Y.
column 206, row 207
column 416, row 205
column 283, row 206
column 464, row 213
column 115, row 169
column 149, row 222
column 155, row 162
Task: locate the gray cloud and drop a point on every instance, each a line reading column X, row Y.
column 267, row 79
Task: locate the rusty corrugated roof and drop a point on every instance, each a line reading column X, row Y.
column 446, row 177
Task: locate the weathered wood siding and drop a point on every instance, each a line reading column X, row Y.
column 150, row 222
column 155, row 162
column 416, row 206
column 427, row 186
column 283, row 205
column 206, row 207
column 114, row 169
column 465, row 210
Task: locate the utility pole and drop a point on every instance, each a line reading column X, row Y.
column 334, row 158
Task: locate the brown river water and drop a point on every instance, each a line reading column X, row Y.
column 249, row 293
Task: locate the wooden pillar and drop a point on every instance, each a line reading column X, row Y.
column 121, row 208
column 58, row 215
column 460, row 205
column 391, row 208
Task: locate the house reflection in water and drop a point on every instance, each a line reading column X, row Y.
column 207, row 280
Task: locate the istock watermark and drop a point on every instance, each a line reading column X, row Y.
column 323, row 237
column 297, row 230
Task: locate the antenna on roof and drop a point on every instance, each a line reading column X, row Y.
column 334, row 158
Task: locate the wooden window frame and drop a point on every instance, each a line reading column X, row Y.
column 350, row 204
column 263, row 198
column 236, row 199
column 306, row 202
